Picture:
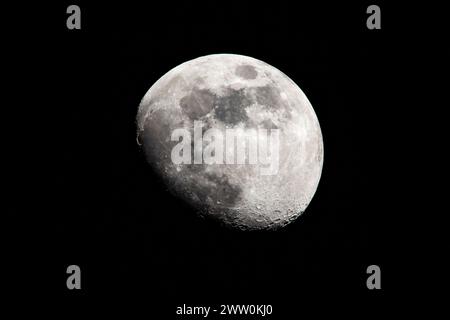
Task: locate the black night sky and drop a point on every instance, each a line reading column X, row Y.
column 96, row 202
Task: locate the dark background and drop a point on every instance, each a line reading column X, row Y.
column 95, row 202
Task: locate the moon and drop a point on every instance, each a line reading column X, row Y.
column 229, row 91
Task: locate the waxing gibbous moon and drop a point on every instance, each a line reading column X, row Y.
column 226, row 91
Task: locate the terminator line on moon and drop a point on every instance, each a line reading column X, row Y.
column 234, row 91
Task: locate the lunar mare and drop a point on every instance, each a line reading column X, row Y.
column 226, row 91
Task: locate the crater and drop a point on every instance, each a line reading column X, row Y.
column 268, row 124
column 223, row 192
column 268, row 96
column 246, row 71
column 231, row 108
column 198, row 103
column 211, row 188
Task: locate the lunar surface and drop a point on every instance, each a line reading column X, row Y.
column 226, row 91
